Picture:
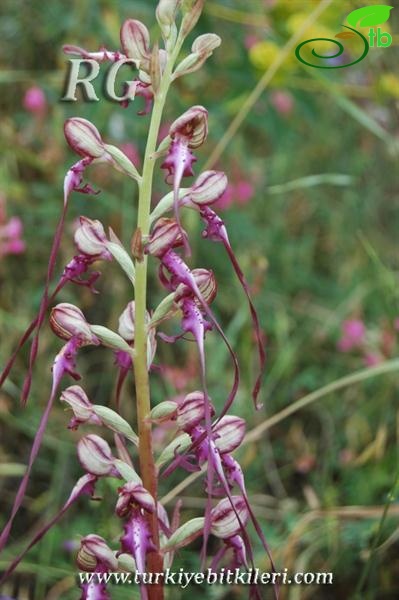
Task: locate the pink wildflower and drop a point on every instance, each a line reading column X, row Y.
column 283, row 102
column 35, row 100
column 372, row 359
column 10, row 237
column 353, row 333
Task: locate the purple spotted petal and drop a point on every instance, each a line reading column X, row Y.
column 179, row 164
column 137, row 542
column 94, row 591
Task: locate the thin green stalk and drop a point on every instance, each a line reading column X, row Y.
column 368, row 567
column 143, row 401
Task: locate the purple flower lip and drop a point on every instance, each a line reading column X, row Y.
column 189, row 131
column 216, row 231
column 136, row 539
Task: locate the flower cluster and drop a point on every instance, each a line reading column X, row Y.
column 204, row 438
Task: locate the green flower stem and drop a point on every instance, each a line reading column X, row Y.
column 147, row 465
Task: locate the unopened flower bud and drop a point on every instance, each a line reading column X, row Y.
column 230, row 431
column 115, row 422
column 122, row 258
column 151, row 346
column 122, row 162
column 110, row 339
column 201, row 50
column 176, row 446
column 165, row 411
column 206, row 43
column 133, row 495
column 95, row 455
column 224, row 519
column 185, row 534
column 208, row 188
column 83, row 137
column 166, row 11
column 155, row 68
column 90, row 239
column 126, row 322
column 165, row 235
column 126, row 330
column 166, row 15
column 135, row 41
column 191, row 411
column 94, row 552
column 192, row 10
column 126, row 563
column 126, row 471
column 166, row 309
column 67, row 320
column 189, row 64
column 81, row 406
column 193, row 125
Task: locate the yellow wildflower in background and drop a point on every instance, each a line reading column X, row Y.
column 389, row 84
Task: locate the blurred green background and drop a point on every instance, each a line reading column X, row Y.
column 312, row 212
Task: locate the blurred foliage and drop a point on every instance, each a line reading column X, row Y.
column 316, row 251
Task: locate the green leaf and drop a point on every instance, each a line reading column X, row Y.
column 369, row 16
